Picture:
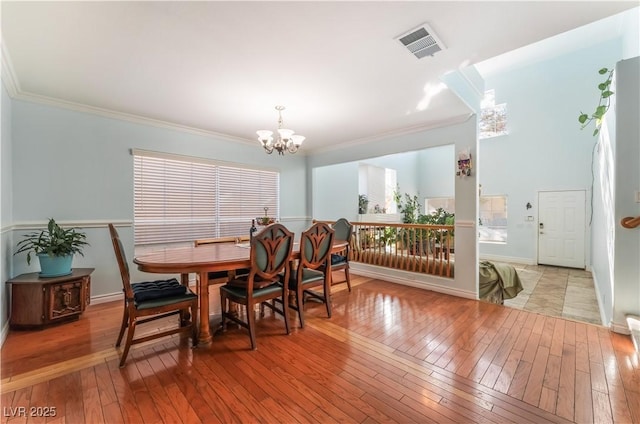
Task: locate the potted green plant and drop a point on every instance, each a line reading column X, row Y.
column 363, row 204
column 409, row 207
column 54, row 247
column 265, row 220
column 437, row 237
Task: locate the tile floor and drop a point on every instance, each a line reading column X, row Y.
column 559, row 292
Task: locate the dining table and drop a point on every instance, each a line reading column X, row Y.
column 201, row 260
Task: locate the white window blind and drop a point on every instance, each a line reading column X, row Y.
column 179, row 200
column 243, row 195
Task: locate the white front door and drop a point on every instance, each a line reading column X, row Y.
column 561, row 228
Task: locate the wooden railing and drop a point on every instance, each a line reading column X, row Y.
column 422, row 248
column 630, row 222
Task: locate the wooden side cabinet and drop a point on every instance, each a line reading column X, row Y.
column 38, row 302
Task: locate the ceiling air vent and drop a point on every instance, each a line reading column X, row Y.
column 421, row 42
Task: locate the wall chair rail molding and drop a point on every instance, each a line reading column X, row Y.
column 295, row 218
column 465, row 224
column 36, row 225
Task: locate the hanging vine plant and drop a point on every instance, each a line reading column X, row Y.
column 603, row 104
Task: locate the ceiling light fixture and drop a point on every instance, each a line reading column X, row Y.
column 286, row 141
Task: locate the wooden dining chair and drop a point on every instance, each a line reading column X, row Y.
column 269, row 256
column 340, row 260
column 152, row 300
column 314, row 268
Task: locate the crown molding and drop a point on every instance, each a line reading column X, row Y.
column 8, row 74
column 459, row 119
column 129, row 117
column 12, row 84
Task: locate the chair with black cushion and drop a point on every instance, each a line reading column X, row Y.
column 219, row 277
column 152, row 300
column 269, row 256
column 340, row 260
column 314, row 268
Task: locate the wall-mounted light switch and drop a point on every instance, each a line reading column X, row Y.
column 529, row 218
column 637, row 196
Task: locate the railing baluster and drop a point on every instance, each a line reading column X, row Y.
column 421, row 248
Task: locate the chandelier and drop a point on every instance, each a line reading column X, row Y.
column 286, row 141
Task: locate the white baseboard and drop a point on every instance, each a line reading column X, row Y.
column 512, row 259
column 95, row 300
column 104, row 298
column 373, row 271
column 4, row 334
column 620, row 328
column 633, row 324
column 119, row 296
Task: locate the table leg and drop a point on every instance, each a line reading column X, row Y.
column 204, row 335
column 185, row 315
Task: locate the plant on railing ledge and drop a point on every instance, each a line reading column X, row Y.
column 603, row 103
column 437, row 217
column 363, row 204
column 409, row 207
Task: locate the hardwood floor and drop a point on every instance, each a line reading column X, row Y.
column 390, row 353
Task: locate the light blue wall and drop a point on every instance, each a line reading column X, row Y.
column 406, row 166
column 335, row 189
column 77, row 166
column 631, row 34
column 436, row 172
column 545, row 149
column 461, row 136
column 427, row 173
column 6, row 216
column 335, row 192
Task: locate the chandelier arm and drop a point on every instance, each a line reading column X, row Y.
column 292, row 148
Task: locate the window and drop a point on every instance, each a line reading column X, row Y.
column 433, row 204
column 390, row 184
column 493, row 215
column 493, row 118
column 493, row 219
column 179, row 198
column 378, row 185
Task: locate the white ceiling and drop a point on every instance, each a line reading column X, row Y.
column 222, row 67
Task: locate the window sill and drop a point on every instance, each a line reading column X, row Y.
column 491, row 137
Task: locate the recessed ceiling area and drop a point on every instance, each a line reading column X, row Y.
column 222, row 67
